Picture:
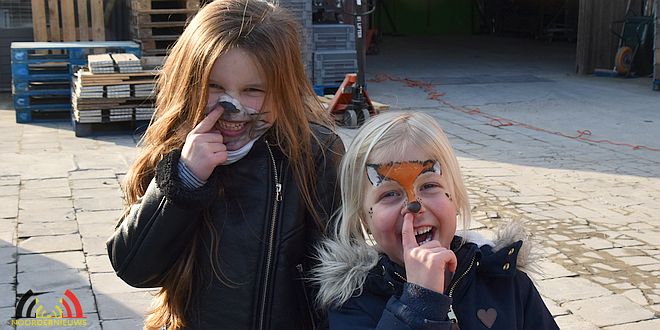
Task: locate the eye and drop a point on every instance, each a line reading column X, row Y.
column 254, row 91
column 389, row 195
column 215, row 86
column 430, row 185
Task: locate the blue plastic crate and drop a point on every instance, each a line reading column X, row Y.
column 30, row 115
column 40, row 87
column 55, row 100
column 43, row 71
column 29, row 52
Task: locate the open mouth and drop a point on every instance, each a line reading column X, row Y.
column 231, row 128
column 424, row 234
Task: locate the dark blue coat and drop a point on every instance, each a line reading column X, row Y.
column 486, row 292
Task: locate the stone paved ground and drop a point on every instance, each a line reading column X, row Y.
column 593, row 207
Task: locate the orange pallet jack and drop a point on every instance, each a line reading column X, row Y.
column 351, row 105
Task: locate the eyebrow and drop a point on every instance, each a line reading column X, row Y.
column 252, row 84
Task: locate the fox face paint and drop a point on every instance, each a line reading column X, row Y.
column 405, row 174
column 240, row 125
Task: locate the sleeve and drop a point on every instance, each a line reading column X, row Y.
column 327, row 188
column 327, row 192
column 537, row 315
column 153, row 233
column 417, row 309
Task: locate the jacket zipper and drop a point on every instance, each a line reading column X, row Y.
column 451, row 314
column 309, row 306
column 271, row 238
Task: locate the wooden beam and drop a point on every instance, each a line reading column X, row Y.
column 54, row 19
column 39, row 23
column 83, row 21
column 68, row 20
column 98, row 20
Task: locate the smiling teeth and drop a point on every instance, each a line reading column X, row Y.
column 423, row 230
column 231, row 125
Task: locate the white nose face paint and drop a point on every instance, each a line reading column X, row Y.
column 240, row 125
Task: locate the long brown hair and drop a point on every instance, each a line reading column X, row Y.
column 270, row 35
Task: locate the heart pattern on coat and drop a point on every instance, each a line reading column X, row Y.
column 487, row 317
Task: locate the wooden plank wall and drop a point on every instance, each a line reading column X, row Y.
column 596, row 45
column 68, row 20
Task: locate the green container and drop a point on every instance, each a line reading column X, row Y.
column 428, row 17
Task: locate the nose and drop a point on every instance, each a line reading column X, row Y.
column 413, row 207
column 228, row 106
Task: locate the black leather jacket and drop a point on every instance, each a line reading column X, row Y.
column 265, row 236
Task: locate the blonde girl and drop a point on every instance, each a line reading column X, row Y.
column 395, row 260
column 235, row 178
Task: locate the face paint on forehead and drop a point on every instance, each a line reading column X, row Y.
column 404, row 173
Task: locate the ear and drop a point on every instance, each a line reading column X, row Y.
column 372, row 173
column 436, row 167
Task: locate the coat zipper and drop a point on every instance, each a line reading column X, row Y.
column 451, row 314
column 309, row 306
column 271, row 238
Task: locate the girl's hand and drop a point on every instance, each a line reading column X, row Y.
column 426, row 265
column 204, row 148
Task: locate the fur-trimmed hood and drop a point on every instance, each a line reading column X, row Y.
column 343, row 267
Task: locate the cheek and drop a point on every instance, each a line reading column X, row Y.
column 383, row 221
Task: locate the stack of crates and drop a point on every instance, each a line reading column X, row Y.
column 41, row 74
column 301, row 10
column 334, row 55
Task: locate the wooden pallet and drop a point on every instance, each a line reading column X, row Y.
column 158, row 23
column 68, row 20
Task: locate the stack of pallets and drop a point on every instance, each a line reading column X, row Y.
column 105, row 98
column 301, row 10
column 158, row 23
column 41, row 75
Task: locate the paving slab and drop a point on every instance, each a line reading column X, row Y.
column 31, row 229
column 125, row 305
column 609, row 310
column 643, row 325
column 54, row 243
column 57, row 281
column 51, row 262
column 99, row 264
column 570, row 288
column 57, row 214
column 110, row 217
column 137, row 323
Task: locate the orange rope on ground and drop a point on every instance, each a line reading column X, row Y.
column 432, row 94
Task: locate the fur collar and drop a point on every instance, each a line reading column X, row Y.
column 343, row 267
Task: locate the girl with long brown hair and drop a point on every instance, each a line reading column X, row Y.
column 235, row 180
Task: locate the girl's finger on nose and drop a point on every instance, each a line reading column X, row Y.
column 408, row 240
column 209, row 121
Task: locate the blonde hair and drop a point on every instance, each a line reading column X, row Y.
column 388, row 133
column 269, row 34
